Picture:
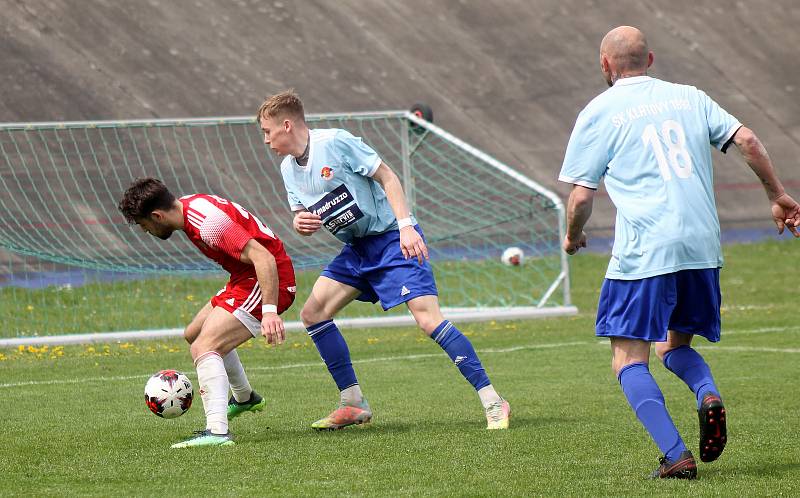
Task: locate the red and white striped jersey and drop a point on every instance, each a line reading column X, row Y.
column 221, row 228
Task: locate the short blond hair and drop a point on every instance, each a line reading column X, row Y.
column 283, row 104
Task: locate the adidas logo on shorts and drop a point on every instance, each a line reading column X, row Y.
column 404, row 291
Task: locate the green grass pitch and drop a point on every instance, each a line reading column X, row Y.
column 75, row 422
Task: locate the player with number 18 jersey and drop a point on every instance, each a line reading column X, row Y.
column 650, row 139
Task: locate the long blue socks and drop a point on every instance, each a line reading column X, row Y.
column 334, row 352
column 691, row 368
column 460, row 350
column 647, row 401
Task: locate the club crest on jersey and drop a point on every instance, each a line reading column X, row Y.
column 326, row 172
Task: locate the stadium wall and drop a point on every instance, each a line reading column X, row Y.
column 508, row 76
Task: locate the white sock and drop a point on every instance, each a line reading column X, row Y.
column 240, row 386
column 213, row 391
column 351, row 396
column 488, row 396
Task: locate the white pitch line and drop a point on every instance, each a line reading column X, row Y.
column 381, row 359
column 402, row 358
column 749, row 348
column 765, row 330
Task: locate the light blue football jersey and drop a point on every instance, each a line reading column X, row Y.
column 337, row 185
column 650, row 139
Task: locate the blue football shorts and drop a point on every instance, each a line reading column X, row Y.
column 687, row 301
column 375, row 265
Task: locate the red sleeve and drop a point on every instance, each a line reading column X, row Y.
column 221, row 232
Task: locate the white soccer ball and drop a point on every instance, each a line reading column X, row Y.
column 512, row 256
column 168, row 393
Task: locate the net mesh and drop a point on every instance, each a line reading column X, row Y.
column 70, row 264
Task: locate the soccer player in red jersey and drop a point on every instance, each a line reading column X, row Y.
column 261, row 287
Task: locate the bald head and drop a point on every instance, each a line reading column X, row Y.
column 624, row 52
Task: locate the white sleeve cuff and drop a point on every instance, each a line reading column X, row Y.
column 577, row 181
column 374, row 168
column 733, row 129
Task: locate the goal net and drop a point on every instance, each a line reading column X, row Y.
column 71, row 267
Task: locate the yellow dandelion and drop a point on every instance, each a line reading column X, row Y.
column 190, row 297
column 29, row 307
column 372, row 340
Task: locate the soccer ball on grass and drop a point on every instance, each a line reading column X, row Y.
column 512, row 256
column 168, row 394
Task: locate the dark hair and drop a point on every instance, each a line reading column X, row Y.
column 144, row 196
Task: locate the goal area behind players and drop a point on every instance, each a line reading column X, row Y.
column 69, row 265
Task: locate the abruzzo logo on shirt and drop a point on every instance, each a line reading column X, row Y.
column 326, row 172
column 337, row 209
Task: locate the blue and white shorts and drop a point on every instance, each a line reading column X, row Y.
column 687, row 301
column 375, row 265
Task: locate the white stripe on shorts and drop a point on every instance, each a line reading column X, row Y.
column 253, row 300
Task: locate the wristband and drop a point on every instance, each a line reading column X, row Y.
column 269, row 308
column 405, row 222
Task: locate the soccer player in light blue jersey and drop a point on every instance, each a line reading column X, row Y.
column 333, row 179
column 650, row 140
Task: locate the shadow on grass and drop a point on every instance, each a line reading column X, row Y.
column 265, row 434
column 765, row 469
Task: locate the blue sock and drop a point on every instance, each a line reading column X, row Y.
column 334, row 352
column 691, row 368
column 647, row 401
column 460, row 350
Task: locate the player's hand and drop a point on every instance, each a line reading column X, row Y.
column 272, row 329
column 786, row 214
column 572, row 246
column 306, row 223
column 412, row 245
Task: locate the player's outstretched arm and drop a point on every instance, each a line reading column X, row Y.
column 411, row 243
column 785, row 210
column 267, row 272
column 579, row 209
column 306, row 223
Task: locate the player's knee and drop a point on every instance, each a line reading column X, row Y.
column 198, row 348
column 190, row 334
column 617, row 364
column 661, row 350
column 310, row 315
column 427, row 322
column 202, row 346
